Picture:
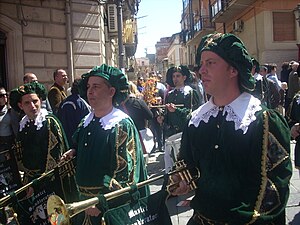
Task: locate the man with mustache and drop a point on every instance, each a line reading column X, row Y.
column 106, row 143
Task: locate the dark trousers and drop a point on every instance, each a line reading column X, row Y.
column 157, row 131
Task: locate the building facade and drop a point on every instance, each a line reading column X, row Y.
column 269, row 28
column 40, row 36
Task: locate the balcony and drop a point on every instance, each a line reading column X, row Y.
column 203, row 23
column 202, row 26
column 224, row 10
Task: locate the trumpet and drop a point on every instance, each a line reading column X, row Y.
column 62, row 167
column 57, row 210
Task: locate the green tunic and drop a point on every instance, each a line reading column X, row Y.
column 40, row 143
column 109, row 155
column 175, row 121
column 242, row 152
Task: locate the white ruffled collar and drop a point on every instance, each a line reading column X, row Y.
column 241, row 111
column 38, row 122
column 185, row 90
column 109, row 121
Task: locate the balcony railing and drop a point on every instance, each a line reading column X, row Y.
column 203, row 23
column 219, row 6
column 224, row 10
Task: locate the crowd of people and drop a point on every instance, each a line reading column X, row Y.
column 230, row 117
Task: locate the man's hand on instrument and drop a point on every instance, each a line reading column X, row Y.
column 171, row 107
column 93, row 211
column 68, row 155
column 29, row 192
column 178, row 186
column 295, row 130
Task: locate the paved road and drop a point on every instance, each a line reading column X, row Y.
column 181, row 214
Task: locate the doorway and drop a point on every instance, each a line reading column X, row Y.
column 3, row 78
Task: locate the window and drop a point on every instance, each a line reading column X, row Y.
column 284, row 28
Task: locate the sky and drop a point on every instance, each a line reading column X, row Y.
column 156, row 19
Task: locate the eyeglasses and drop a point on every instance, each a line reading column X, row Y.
column 3, row 95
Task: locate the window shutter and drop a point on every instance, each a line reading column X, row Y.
column 284, row 26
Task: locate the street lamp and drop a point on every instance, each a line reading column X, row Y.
column 297, row 13
column 120, row 34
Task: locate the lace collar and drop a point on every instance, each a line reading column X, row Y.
column 109, row 121
column 241, row 111
column 185, row 90
column 38, row 122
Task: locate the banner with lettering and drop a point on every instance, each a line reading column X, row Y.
column 10, row 179
column 33, row 210
column 151, row 210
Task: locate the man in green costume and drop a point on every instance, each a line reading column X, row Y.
column 40, row 144
column 106, row 144
column 240, row 147
column 176, row 116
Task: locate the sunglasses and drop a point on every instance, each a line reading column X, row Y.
column 3, row 95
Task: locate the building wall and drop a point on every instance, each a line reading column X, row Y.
column 174, row 53
column 45, row 35
column 257, row 33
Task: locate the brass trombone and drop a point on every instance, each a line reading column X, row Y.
column 6, row 200
column 56, row 208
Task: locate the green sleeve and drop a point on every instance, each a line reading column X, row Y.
column 128, row 163
column 275, row 173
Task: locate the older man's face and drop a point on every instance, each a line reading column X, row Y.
column 30, row 78
column 99, row 93
column 61, row 77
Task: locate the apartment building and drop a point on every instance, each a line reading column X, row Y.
column 269, row 28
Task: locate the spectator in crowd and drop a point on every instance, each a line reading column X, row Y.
column 265, row 89
column 31, row 77
column 72, row 110
column 272, row 68
column 156, row 127
column 294, row 122
column 57, row 91
column 199, row 87
column 285, row 71
column 7, row 133
column 232, row 140
column 106, row 144
column 281, row 86
column 139, row 84
column 294, row 82
column 140, row 113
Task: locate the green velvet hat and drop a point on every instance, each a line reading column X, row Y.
column 29, row 88
column 234, row 52
column 184, row 70
column 115, row 78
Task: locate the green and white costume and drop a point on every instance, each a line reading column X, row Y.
column 40, row 144
column 242, row 152
column 109, row 157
